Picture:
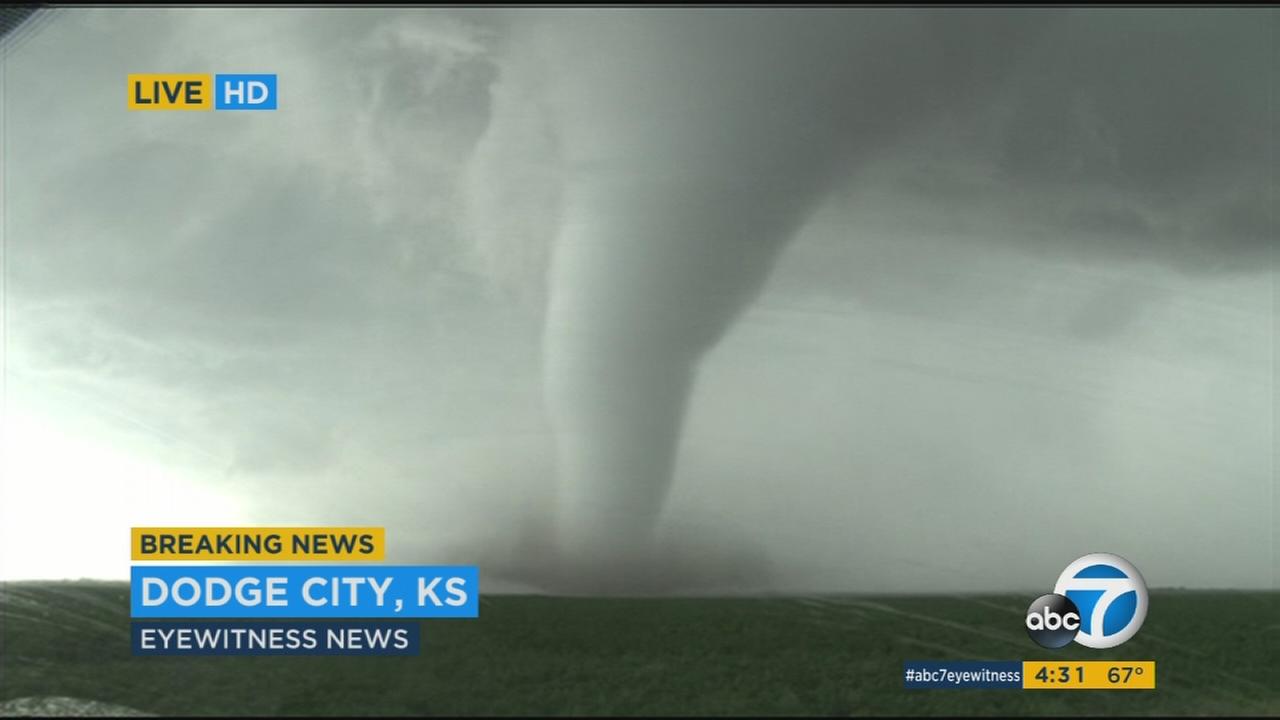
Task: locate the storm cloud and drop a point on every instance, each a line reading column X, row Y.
column 1034, row 319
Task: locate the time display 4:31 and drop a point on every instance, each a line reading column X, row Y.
column 1089, row 675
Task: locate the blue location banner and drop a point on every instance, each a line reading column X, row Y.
column 304, row 591
column 274, row 637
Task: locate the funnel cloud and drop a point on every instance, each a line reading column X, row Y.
column 694, row 146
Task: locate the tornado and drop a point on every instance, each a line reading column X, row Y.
column 694, row 144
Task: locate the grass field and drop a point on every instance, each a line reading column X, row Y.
column 1216, row 653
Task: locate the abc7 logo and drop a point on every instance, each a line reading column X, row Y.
column 1100, row 601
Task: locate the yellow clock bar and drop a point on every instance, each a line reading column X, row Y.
column 1089, row 675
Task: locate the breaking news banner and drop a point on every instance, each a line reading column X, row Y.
column 257, row 602
column 248, row 544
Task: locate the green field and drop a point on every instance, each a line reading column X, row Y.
column 1216, row 653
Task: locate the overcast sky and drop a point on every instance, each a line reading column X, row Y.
column 1036, row 326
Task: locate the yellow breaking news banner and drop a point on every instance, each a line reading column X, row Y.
column 1089, row 675
column 258, row 543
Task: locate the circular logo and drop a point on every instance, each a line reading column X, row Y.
column 1110, row 596
column 1053, row 621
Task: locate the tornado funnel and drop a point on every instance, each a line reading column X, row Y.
column 693, row 146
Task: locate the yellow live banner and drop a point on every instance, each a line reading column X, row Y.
column 1089, row 675
column 170, row 91
column 258, row 543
